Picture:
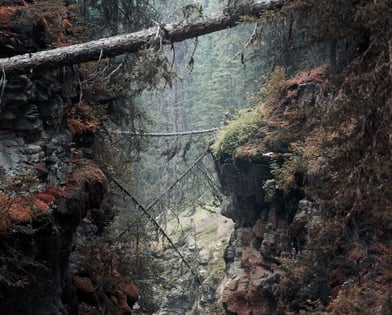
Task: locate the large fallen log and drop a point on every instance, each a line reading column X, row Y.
column 130, row 43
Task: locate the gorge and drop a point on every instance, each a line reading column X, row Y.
column 300, row 167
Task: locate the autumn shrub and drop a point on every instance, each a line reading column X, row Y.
column 61, row 22
column 342, row 145
column 55, row 23
column 346, row 157
column 82, row 119
column 19, row 202
column 21, row 209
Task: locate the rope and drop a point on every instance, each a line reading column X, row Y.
column 170, row 134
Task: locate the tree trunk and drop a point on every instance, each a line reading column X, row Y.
column 130, row 43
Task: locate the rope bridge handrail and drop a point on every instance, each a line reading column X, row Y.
column 159, row 134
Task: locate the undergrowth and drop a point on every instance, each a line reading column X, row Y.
column 236, row 132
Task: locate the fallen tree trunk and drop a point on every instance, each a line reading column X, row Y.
column 130, row 43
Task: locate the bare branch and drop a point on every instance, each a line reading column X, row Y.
column 250, row 40
column 157, row 225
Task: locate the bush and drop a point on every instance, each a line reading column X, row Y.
column 237, row 132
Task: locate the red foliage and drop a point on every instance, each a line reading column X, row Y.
column 46, row 198
column 66, row 23
column 73, row 184
column 85, row 309
column 15, row 209
column 314, row 75
column 82, row 119
column 45, row 24
column 20, row 209
column 84, row 284
column 50, row 195
column 88, row 172
column 132, row 293
column 125, row 296
column 6, row 14
column 40, row 206
column 57, row 192
column 77, row 127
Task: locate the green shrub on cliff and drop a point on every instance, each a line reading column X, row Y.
column 236, row 132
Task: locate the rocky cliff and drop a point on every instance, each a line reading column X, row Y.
column 51, row 191
column 262, row 237
column 311, row 209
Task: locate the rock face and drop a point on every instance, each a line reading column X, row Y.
column 271, row 225
column 35, row 142
column 259, row 237
column 45, row 191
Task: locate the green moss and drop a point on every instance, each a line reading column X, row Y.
column 237, row 132
column 248, row 121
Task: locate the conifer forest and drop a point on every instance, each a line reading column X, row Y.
column 195, row 157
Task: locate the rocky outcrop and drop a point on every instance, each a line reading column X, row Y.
column 268, row 234
column 46, row 189
column 260, row 238
column 35, row 146
column 272, row 225
column 35, row 143
column 305, row 239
